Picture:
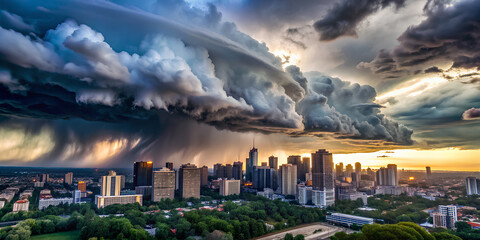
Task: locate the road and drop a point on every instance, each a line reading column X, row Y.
column 307, row 231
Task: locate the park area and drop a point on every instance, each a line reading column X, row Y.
column 71, row 235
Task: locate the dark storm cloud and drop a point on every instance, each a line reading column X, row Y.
column 81, row 60
column 345, row 16
column 471, row 114
column 449, row 34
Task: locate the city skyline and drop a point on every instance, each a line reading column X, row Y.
column 82, row 88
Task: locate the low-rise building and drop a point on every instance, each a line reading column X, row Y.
column 347, row 219
column 46, row 202
column 21, row 205
column 103, row 201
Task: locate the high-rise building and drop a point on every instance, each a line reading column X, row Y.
column 163, row 184
column 111, row 184
column 428, row 171
column 252, row 161
column 322, row 178
column 358, row 168
column 103, row 201
column 82, row 186
column 229, row 187
column 45, row 177
column 169, row 165
column 348, row 170
column 339, row 170
column 77, row 196
column 450, row 211
column 189, row 181
column 288, row 179
column 392, row 175
column 273, row 162
column 472, row 186
column 219, row 170
column 305, row 168
column 237, row 170
column 264, row 164
column 142, row 173
column 204, row 176
column 439, row 220
column 297, row 161
column 68, row 178
column 263, row 177
column 228, row 171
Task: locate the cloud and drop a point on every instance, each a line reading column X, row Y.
column 471, row 114
column 345, row 16
column 448, row 35
column 152, row 72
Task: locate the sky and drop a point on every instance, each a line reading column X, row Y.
column 106, row 83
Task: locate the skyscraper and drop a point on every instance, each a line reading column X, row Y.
column 219, row 170
column 237, row 170
column 305, row 168
column 142, row 173
column 297, row 161
column 348, row 170
column 82, row 186
column 273, row 162
column 263, row 177
column 68, row 178
column 228, row 171
column 111, row 184
column 252, row 161
column 392, row 177
column 288, row 179
column 189, row 181
column 45, row 177
column 428, row 171
column 358, row 168
column 204, row 176
column 322, row 178
column 163, row 184
column 472, row 185
column 339, row 170
column 169, row 165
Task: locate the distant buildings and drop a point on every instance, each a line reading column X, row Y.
column 163, row 184
column 473, row 186
column 229, row 187
column 169, row 165
column 111, row 184
column 273, row 162
column 21, row 205
column 82, row 186
column 297, row 161
column 45, row 177
column 189, row 181
column 219, row 170
column 237, row 170
column 46, row 202
column 387, row 180
column 288, row 179
column 203, row 176
column 323, row 182
column 142, row 173
column 428, row 171
column 304, row 169
column 252, row 161
column 450, row 212
column 348, row 170
column 68, row 178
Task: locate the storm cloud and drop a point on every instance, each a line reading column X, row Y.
column 345, row 16
column 471, row 114
column 138, row 75
column 449, row 35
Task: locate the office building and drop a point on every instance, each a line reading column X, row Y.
column 229, row 187
column 189, row 181
column 439, row 220
column 305, row 169
column 297, row 161
column 428, row 171
column 82, row 186
column 450, row 212
column 21, row 205
column 111, row 184
column 304, row 195
column 347, row 219
column 203, row 176
column 288, row 179
column 273, row 162
column 46, row 202
column 145, row 191
column 263, row 177
column 392, row 175
column 169, row 165
column 163, row 184
column 339, row 170
column 252, row 161
column 103, row 201
column 322, row 178
column 358, row 169
column 228, row 171
column 68, row 178
column 219, row 170
column 472, row 185
column 142, row 173
column 237, row 170
column 77, row 196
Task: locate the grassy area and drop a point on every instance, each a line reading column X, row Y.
column 72, row 235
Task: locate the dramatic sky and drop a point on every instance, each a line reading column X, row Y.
column 105, row 83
